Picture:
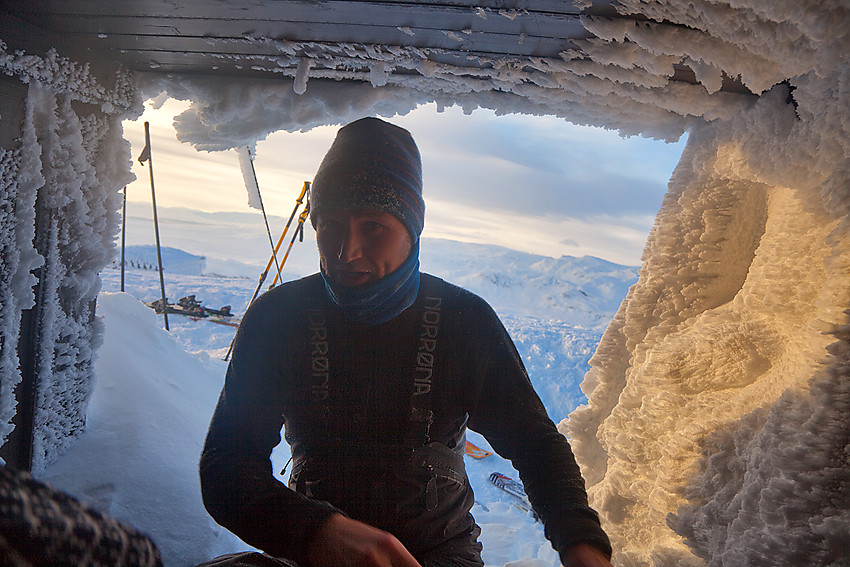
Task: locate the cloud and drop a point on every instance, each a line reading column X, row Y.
column 533, row 183
column 536, row 164
column 617, row 239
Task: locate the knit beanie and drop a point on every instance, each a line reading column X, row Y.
column 372, row 164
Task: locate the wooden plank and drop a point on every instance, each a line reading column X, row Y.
column 35, row 39
column 347, row 15
column 490, row 44
column 569, row 30
column 155, row 34
column 189, row 66
column 318, row 32
column 13, row 93
column 159, row 37
column 171, row 61
column 22, row 35
column 200, row 64
column 303, row 9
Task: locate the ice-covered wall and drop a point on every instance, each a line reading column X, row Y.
column 718, row 420
column 20, row 178
column 699, row 396
column 60, row 200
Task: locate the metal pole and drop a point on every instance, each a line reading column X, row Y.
column 263, row 209
column 265, row 273
column 156, row 228
column 123, row 235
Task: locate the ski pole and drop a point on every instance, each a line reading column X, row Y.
column 299, row 230
column 265, row 273
column 146, row 156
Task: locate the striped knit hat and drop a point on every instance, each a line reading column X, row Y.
column 372, row 164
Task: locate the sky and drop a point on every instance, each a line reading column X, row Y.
column 536, row 184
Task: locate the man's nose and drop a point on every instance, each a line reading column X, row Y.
column 351, row 247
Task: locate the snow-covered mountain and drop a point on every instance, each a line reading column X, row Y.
column 176, row 261
column 584, row 291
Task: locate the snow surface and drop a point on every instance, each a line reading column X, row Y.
column 155, row 393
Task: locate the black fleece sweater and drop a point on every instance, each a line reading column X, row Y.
column 346, row 392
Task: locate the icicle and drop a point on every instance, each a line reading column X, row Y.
column 245, row 154
column 302, row 75
column 378, row 73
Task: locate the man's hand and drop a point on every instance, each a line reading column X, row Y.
column 343, row 542
column 584, row 555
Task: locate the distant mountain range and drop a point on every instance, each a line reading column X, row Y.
column 585, row 292
column 174, row 260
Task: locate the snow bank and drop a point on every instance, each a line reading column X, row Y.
column 146, row 425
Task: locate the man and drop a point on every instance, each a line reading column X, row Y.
column 375, row 371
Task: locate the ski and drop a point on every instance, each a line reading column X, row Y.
column 476, row 452
column 231, row 322
column 515, row 489
column 192, row 308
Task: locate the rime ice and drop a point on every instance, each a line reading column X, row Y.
column 74, row 164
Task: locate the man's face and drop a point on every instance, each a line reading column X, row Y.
column 358, row 246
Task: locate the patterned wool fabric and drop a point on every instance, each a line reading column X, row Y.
column 42, row 526
column 372, row 164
